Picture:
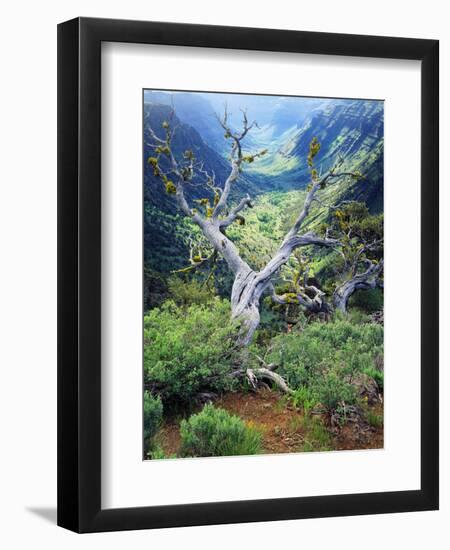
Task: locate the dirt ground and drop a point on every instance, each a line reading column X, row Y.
column 284, row 428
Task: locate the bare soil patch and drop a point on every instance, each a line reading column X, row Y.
column 283, row 427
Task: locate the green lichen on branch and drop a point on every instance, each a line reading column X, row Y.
column 314, row 148
column 170, row 187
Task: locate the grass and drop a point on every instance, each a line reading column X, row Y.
column 375, row 420
column 317, row 437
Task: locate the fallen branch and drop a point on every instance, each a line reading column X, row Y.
column 254, row 375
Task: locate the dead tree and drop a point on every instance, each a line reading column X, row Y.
column 361, row 237
column 214, row 217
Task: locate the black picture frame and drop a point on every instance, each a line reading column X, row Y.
column 79, row 274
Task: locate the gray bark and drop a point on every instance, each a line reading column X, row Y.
column 310, row 297
column 253, row 375
column 361, row 281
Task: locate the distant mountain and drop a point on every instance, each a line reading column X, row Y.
column 355, row 130
column 274, row 115
column 277, row 112
column 351, row 128
column 186, row 137
column 194, row 110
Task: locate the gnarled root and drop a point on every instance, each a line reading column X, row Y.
column 262, row 373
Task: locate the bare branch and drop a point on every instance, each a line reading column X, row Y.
column 236, row 157
column 234, row 214
column 246, row 126
column 301, row 297
column 361, row 281
column 195, row 265
column 236, row 161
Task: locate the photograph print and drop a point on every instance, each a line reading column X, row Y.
column 263, row 274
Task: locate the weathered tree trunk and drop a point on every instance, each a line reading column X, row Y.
column 248, row 315
column 250, row 285
column 343, row 293
column 361, row 281
column 245, row 303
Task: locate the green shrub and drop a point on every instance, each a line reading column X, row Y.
column 339, row 331
column 328, row 390
column 320, row 347
column 375, row 420
column 358, row 316
column 304, row 398
column 352, row 358
column 214, row 432
column 153, row 411
column 188, row 292
column 377, row 375
column 317, row 437
column 157, row 453
column 299, row 357
column 188, row 350
column 320, row 362
column 332, row 390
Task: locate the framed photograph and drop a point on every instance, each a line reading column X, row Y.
column 248, row 275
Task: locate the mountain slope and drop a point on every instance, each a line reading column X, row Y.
column 353, row 129
column 195, row 111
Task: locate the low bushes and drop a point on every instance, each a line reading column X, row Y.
column 153, row 412
column 317, row 437
column 328, row 389
column 189, row 292
column 376, row 375
column 332, row 390
column 188, row 350
column 304, row 398
column 214, row 432
column 320, row 362
column 374, row 420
